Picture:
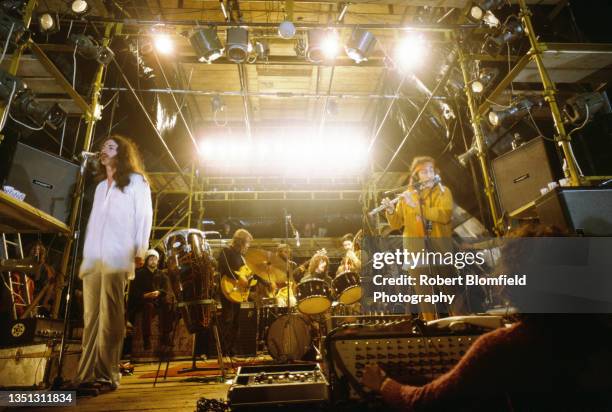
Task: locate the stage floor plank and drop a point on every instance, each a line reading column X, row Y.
column 138, row 394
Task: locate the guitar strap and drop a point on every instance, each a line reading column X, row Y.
column 229, row 267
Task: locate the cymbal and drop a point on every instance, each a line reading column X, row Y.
column 266, row 263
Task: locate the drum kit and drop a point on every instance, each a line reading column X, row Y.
column 286, row 319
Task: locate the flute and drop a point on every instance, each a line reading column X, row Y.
column 436, row 180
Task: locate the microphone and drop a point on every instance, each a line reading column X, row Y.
column 87, row 155
column 437, row 179
column 296, row 234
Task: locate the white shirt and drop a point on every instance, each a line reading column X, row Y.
column 119, row 228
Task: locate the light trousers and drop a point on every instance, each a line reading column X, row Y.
column 103, row 300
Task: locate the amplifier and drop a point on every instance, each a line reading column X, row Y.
column 278, row 386
column 582, row 210
column 404, row 353
column 246, row 341
column 30, row 330
column 520, row 173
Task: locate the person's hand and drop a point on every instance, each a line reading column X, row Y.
column 408, row 199
column 139, row 262
column 242, row 282
column 373, row 377
column 152, row 295
column 389, row 208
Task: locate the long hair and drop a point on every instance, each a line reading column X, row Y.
column 314, row 263
column 128, row 161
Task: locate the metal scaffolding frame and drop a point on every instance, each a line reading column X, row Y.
column 561, row 138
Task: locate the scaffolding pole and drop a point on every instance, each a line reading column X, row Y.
column 475, row 119
column 562, row 138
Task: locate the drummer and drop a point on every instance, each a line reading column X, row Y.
column 283, row 251
column 351, row 262
column 318, row 268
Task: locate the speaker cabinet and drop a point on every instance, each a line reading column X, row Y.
column 586, row 211
column 521, row 173
column 47, row 180
column 246, row 341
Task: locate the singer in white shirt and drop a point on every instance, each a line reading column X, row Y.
column 116, row 240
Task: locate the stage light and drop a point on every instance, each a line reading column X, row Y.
column 314, row 49
column 286, row 30
column 40, row 112
column 511, row 114
column 89, row 49
column 206, row 44
column 10, row 86
column 217, row 104
column 484, row 80
column 410, row 51
column 512, row 30
column 262, row 48
column 582, row 107
column 79, row 7
column 163, row 43
column 237, row 44
column 47, row 23
column 478, row 11
column 360, row 45
column 13, row 30
column 14, row 7
column 331, row 44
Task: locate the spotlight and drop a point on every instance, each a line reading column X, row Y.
column 484, row 80
column 478, row 11
column 163, row 43
column 322, row 44
column 465, row 157
column 511, row 31
column 144, row 71
column 79, row 7
column 217, row 104
column 262, row 48
column 582, row 107
column 7, row 83
column 40, row 113
column 360, row 45
column 286, row 30
column 89, row 49
column 206, row 44
column 12, row 29
column 237, row 44
column 511, row 114
column 332, row 108
column 410, row 51
column 48, row 24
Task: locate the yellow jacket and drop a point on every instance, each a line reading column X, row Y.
column 437, row 208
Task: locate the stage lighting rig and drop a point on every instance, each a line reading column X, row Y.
column 482, row 11
column 583, row 107
column 13, row 30
column 39, row 112
column 237, row 44
column 144, row 71
column 322, row 44
column 90, row 49
column 262, row 49
column 360, row 45
column 10, row 86
column 485, row 79
column 511, row 30
column 48, row 23
column 79, row 7
column 511, row 114
column 286, row 29
column 206, row 44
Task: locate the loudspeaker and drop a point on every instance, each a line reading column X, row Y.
column 521, row 173
column 47, row 180
column 579, row 210
column 246, row 341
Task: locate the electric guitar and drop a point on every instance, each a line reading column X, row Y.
column 233, row 291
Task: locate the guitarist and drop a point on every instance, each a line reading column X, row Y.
column 231, row 259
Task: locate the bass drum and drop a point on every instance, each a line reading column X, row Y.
column 288, row 338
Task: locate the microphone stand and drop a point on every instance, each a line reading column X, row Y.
column 59, row 381
column 427, row 226
column 289, row 322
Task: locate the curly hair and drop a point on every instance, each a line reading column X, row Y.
column 128, row 161
column 314, row 262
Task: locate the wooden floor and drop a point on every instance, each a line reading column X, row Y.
column 175, row 394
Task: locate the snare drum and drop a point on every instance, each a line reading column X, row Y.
column 313, row 296
column 347, row 287
column 288, row 338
